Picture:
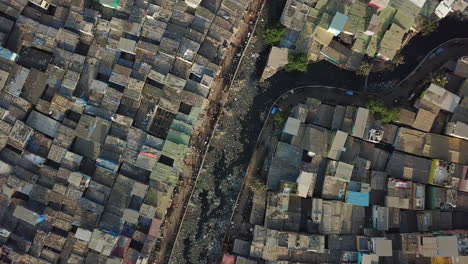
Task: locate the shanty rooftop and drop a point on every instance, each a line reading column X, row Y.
column 98, row 105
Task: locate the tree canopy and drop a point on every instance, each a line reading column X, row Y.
column 364, row 69
column 273, row 34
column 297, row 62
column 383, row 113
column 429, row 27
column 279, row 119
column 440, row 80
column 398, row 60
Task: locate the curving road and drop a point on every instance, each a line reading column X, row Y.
column 411, row 83
column 227, row 159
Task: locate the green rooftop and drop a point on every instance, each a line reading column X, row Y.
column 109, row 3
column 174, row 151
column 334, row 6
column 428, row 8
column 372, row 47
column 177, row 137
column 181, row 126
column 386, row 18
column 304, row 39
column 163, row 174
column 321, row 4
column 361, row 42
column 406, row 6
column 358, row 14
column 325, row 20
column 403, row 20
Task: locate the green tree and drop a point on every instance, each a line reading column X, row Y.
column 273, row 34
column 440, row 80
column 297, row 62
column 364, row 69
column 279, row 119
column 383, row 113
column 390, row 115
column 398, row 60
column 375, row 106
column 429, row 27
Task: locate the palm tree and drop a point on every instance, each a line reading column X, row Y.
column 429, row 27
column 364, row 70
column 440, row 80
column 398, row 60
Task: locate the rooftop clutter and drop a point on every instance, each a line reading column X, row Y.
column 359, row 198
column 343, row 32
column 97, row 109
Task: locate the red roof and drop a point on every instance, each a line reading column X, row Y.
column 148, row 154
column 155, row 229
column 228, row 259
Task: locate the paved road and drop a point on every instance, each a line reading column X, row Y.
column 450, row 50
column 398, row 90
column 234, row 143
column 333, row 95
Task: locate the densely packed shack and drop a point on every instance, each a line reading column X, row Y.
column 98, row 102
column 344, row 187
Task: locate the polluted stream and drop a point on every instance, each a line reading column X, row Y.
column 200, row 238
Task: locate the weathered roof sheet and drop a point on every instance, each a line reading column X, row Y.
column 440, row 97
column 305, row 182
column 360, row 122
column 336, row 52
column 409, row 167
column 42, row 123
column 391, row 41
column 291, row 126
column 338, row 23
column 337, row 145
column 424, row 120
column 344, row 171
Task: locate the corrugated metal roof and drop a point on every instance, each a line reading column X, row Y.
column 360, row 122
column 43, row 123
column 338, row 23
column 357, row 198
column 292, row 126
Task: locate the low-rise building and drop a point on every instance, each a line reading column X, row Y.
column 438, row 246
column 337, row 145
column 277, row 59
column 338, row 23
column 439, row 97
column 441, row 173
column 463, row 176
column 360, row 122
column 457, row 129
column 444, row 8
column 461, row 69
column 272, row 245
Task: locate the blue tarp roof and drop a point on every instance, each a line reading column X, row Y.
column 7, row 54
column 338, row 23
column 357, row 198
